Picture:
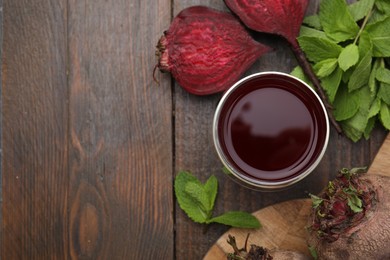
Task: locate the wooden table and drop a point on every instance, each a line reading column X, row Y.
column 91, row 145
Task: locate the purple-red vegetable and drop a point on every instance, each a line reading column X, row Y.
column 350, row 218
column 207, row 50
column 284, row 18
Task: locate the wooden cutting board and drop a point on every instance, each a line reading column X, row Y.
column 284, row 223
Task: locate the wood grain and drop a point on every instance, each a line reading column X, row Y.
column 90, row 144
column 284, row 223
column 35, row 123
column 120, row 190
column 283, row 228
column 87, row 134
column 381, row 163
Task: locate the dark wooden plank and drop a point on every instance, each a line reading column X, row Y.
column 120, row 197
column 87, row 170
column 35, row 124
column 194, row 151
column 1, row 109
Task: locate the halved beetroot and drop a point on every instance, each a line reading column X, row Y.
column 282, row 17
column 207, row 50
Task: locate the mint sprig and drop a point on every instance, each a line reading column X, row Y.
column 197, row 201
column 349, row 48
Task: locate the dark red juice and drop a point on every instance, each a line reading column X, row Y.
column 270, row 128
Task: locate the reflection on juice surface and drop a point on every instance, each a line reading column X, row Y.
column 269, row 129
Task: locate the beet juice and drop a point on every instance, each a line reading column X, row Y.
column 270, row 129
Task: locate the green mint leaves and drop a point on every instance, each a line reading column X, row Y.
column 197, row 201
column 336, row 20
column 316, row 201
column 355, row 203
column 195, row 198
column 349, row 48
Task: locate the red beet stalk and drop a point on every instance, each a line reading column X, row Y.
column 284, row 18
column 207, row 50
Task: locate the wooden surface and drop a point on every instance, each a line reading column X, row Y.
column 90, row 144
column 284, row 223
column 283, row 228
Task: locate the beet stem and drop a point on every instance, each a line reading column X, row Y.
column 302, row 60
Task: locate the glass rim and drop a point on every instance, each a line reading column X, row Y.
column 257, row 183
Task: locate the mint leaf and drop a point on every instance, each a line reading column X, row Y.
column 346, row 75
column 237, row 219
column 383, row 6
column 298, row 72
column 318, row 49
column 377, row 16
column 313, row 252
column 197, row 201
column 337, row 21
column 351, row 132
column 198, row 194
column 361, row 74
column 384, row 116
column 211, row 188
column 331, row 84
column 226, row 171
column 307, row 31
column 316, row 201
column 187, row 203
column 372, row 82
column 355, row 203
column 349, row 56
column 360, row 9
column 355, row 126
column 325, row 67
column 384, row 92
column 365, row 44
column 345, row 105
column 375, row 108
column 313, row 21
column 369, row 127
column 380, row 37
column 383, row 75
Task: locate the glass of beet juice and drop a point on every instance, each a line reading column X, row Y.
column 270, row 130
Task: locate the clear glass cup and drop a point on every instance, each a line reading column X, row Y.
column 270, row 130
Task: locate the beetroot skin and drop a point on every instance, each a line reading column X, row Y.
column 339, row 231
column 206, row 50
column 282, row 17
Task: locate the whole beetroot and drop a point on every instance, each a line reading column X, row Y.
column 350, row 218
column 206, row 50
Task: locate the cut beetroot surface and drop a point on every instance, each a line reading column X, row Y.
column 282, row 17
column 207, row 50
